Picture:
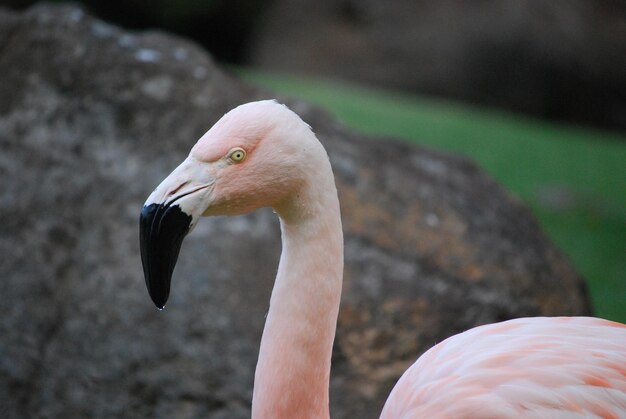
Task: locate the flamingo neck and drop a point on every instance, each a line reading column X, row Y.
column 293, row 369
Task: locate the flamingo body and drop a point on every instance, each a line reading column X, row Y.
column 262, row 154
column 544, row 367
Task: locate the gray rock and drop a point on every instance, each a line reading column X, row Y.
column 93, row 117
column 559, row 59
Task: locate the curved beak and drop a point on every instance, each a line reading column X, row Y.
column 168, row 215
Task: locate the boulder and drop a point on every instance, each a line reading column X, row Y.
column 562, row 59
column 93, row 117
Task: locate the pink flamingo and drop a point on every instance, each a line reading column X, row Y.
column 261, row 154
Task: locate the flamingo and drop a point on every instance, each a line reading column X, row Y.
column 261, row 154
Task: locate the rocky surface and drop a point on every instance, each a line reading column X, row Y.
column 93, row 117
column 559, row 59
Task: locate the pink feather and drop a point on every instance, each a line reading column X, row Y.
column 533, row 367
column 530, row 367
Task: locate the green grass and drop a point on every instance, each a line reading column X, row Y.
column 530, row 157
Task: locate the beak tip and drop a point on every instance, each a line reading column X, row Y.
column 162, row 230
column 159, row 301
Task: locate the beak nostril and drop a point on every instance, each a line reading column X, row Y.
column 172, row 192
column 173, row 198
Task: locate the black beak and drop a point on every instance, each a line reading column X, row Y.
column 162, row 229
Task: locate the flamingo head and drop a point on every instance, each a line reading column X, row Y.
column 257, row 155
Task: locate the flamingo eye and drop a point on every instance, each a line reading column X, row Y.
column 237, row 154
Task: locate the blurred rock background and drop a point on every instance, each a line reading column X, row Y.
column 563, row 60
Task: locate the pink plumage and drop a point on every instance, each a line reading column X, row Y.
column 531, row 367
column 525, row 368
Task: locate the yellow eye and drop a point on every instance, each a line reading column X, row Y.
column 237, row 154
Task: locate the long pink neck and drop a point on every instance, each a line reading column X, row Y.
column 293, row 370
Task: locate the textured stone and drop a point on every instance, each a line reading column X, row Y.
column 92, row 118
